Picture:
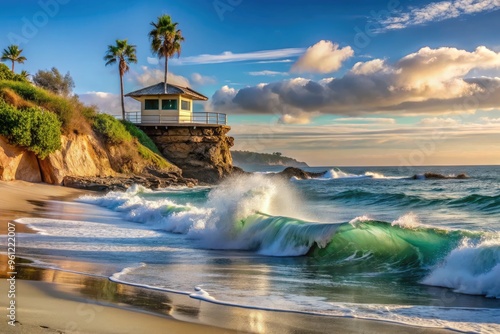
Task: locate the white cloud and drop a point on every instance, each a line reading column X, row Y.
column 489, row 120
column 273, row 61
column 153, row 61
column 201, row 80
column 438, row 11
column 439, row 73
column 322, row 57
column 109, row 103
column 228, row 56
column 370, row 67
column 150, row 76
column 429, row 81
column 267, row 73
column 375, row 120
column 438, row 122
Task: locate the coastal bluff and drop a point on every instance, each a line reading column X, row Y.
column 84, row 161
column 201, row 151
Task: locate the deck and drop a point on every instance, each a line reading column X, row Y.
column 194, row 119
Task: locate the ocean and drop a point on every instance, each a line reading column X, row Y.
column 380, row 243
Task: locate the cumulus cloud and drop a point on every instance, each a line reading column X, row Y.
column 322, row 57
column 370, row 67
column 430, row 81
column 109, row 103
column 438, row 11
column 150, row 76
column 201, row 80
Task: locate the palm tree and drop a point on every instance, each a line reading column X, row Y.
column 24, row 74
column 165, row 40
column 123, row 54
column 13, row 53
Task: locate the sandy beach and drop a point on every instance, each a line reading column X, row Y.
column 53, row 301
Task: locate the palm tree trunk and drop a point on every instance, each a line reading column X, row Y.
column 121, row 91
column 166, row 71
column 13, row 66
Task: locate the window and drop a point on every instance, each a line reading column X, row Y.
column 168, row 104
column 185, row 105
column 151, row 104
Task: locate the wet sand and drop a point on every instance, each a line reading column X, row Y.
column 54, row 301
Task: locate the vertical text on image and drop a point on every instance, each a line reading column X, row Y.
column 11, row 273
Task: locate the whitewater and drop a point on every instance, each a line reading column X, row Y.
column 380, row 243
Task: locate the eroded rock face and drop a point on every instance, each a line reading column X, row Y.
column 80, row 156
column 201, row 152
column 17, row 163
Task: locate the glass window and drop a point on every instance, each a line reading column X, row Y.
column 169, row 104
column 151, row 104
column 186, row 105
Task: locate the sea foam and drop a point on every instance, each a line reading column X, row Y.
column 472, row 268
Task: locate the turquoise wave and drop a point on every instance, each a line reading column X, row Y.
column 377, row 243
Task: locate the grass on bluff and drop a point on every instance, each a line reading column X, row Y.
column 117, row 132
column 70, row 111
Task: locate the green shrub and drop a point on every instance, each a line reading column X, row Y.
column 37, row 130
column 113, row 131
column 64, row 108
column 45, row 133
column 7, row 74
column 141, row 136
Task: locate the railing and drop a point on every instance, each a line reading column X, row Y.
column 194, row 118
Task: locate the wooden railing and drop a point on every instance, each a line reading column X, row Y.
column 194, row 118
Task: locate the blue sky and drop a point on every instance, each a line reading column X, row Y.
column 330, row 82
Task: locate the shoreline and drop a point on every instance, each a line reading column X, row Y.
column 46, row 296
column 86, row 304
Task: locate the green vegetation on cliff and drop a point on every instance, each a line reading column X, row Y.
column 111, row 129
column 116, row 132
column 242, row 158
column 7, row 74
column 37, row 130
column 35, row 118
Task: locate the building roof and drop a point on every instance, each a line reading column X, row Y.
column 159, row 89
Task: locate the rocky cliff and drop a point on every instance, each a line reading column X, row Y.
column 18, row 164
column 85, row 162
column 202, row 152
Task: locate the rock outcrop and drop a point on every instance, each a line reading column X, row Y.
column 298, row 173
column 437, row 176
column 80, row 156
column 85, row 162
column 202, row 152
column 149, row 180
column 18, row 164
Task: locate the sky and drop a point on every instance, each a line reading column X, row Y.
column 332, row 83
